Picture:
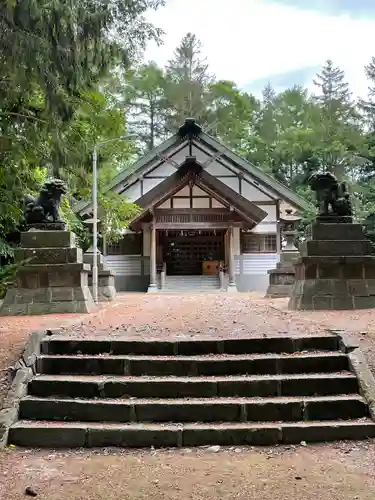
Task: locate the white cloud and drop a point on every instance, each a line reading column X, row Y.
column 245, row 40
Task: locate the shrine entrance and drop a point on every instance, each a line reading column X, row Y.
column 191, row 252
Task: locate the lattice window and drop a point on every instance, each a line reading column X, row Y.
column 114, row 248
column 259, row 243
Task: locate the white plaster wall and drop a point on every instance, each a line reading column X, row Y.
column 185, row 191
column 166, row 169
column 166, row 204
column 251, row 193
column 197, row 191
column 265, row 228
column 201, row 202
column 149, row 184
column 181, row 203
column 133, row 192
column 178, row 157
column 271, row 212
column 232, row 182
column 217, row 204
column 216, row 169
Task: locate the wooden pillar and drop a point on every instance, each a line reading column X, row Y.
column 278, row 228
column 104, row 245
column 231, row 266
column 153, row 286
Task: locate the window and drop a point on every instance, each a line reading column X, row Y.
column 131, row 244
column 259, row 243
column 114, row 248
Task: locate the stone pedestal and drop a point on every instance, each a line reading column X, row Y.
column 283, row 277
column 336, row 269
column 56, row 279
column 106, row 277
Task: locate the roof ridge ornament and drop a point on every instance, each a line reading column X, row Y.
column 189, row 129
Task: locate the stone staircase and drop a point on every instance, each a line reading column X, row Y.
column 257, row 391
column 191, row 284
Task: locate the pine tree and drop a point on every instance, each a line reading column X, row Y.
column 268, row 95
column 145, row 103
column 337, row 123
column 334, row 95
column 368, row 106
column 64, row 46
column 188, row 80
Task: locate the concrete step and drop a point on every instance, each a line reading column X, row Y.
column 226, row 364
column 196, row 283
column 57, row 344
column 193, row 387
column 195, row 409
column 76, row 435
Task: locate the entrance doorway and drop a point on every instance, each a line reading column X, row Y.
column 185, row 251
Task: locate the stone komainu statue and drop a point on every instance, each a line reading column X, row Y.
column 45, row 207
column 332, row 198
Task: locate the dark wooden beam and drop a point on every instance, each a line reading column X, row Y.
column 196, row 225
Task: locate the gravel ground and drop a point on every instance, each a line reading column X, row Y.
column 342, row 471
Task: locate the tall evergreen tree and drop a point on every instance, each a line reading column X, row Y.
column 337, row 123
column 333, row 93
column 268, row 95
column 144, row 95
column 188, row 79
column 368, row 105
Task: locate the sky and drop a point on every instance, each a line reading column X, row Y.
column 284, row 42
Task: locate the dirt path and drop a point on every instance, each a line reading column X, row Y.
column 337, row 472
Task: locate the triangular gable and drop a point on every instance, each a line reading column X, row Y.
column 191, row 133
column 192, row 171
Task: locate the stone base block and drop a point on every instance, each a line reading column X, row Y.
column 309, row 302
column 281, row 282
column 337, row 270
column 279, row 291
column 48, row 239
column 106, row 285
column 47, row 256
column 335, row 231
column 336, row 247
column 21, row 301
column 54, row 281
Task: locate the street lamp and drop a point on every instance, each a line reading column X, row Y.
column 95, row 212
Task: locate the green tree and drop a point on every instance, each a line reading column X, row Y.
column 145, row 104
column 367, row 106
column 53, row 58
column 338, row 126
column 230, row 114
column 187, row 83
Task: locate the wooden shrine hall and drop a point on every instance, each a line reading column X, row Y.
column 208, row 219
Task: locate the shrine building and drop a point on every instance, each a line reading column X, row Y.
column 209, row 219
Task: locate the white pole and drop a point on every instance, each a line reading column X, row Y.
column 95, row 227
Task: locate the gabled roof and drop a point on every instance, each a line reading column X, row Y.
column 191, row 132
column 192, row 171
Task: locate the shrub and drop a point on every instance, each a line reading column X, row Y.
column 8, row 274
